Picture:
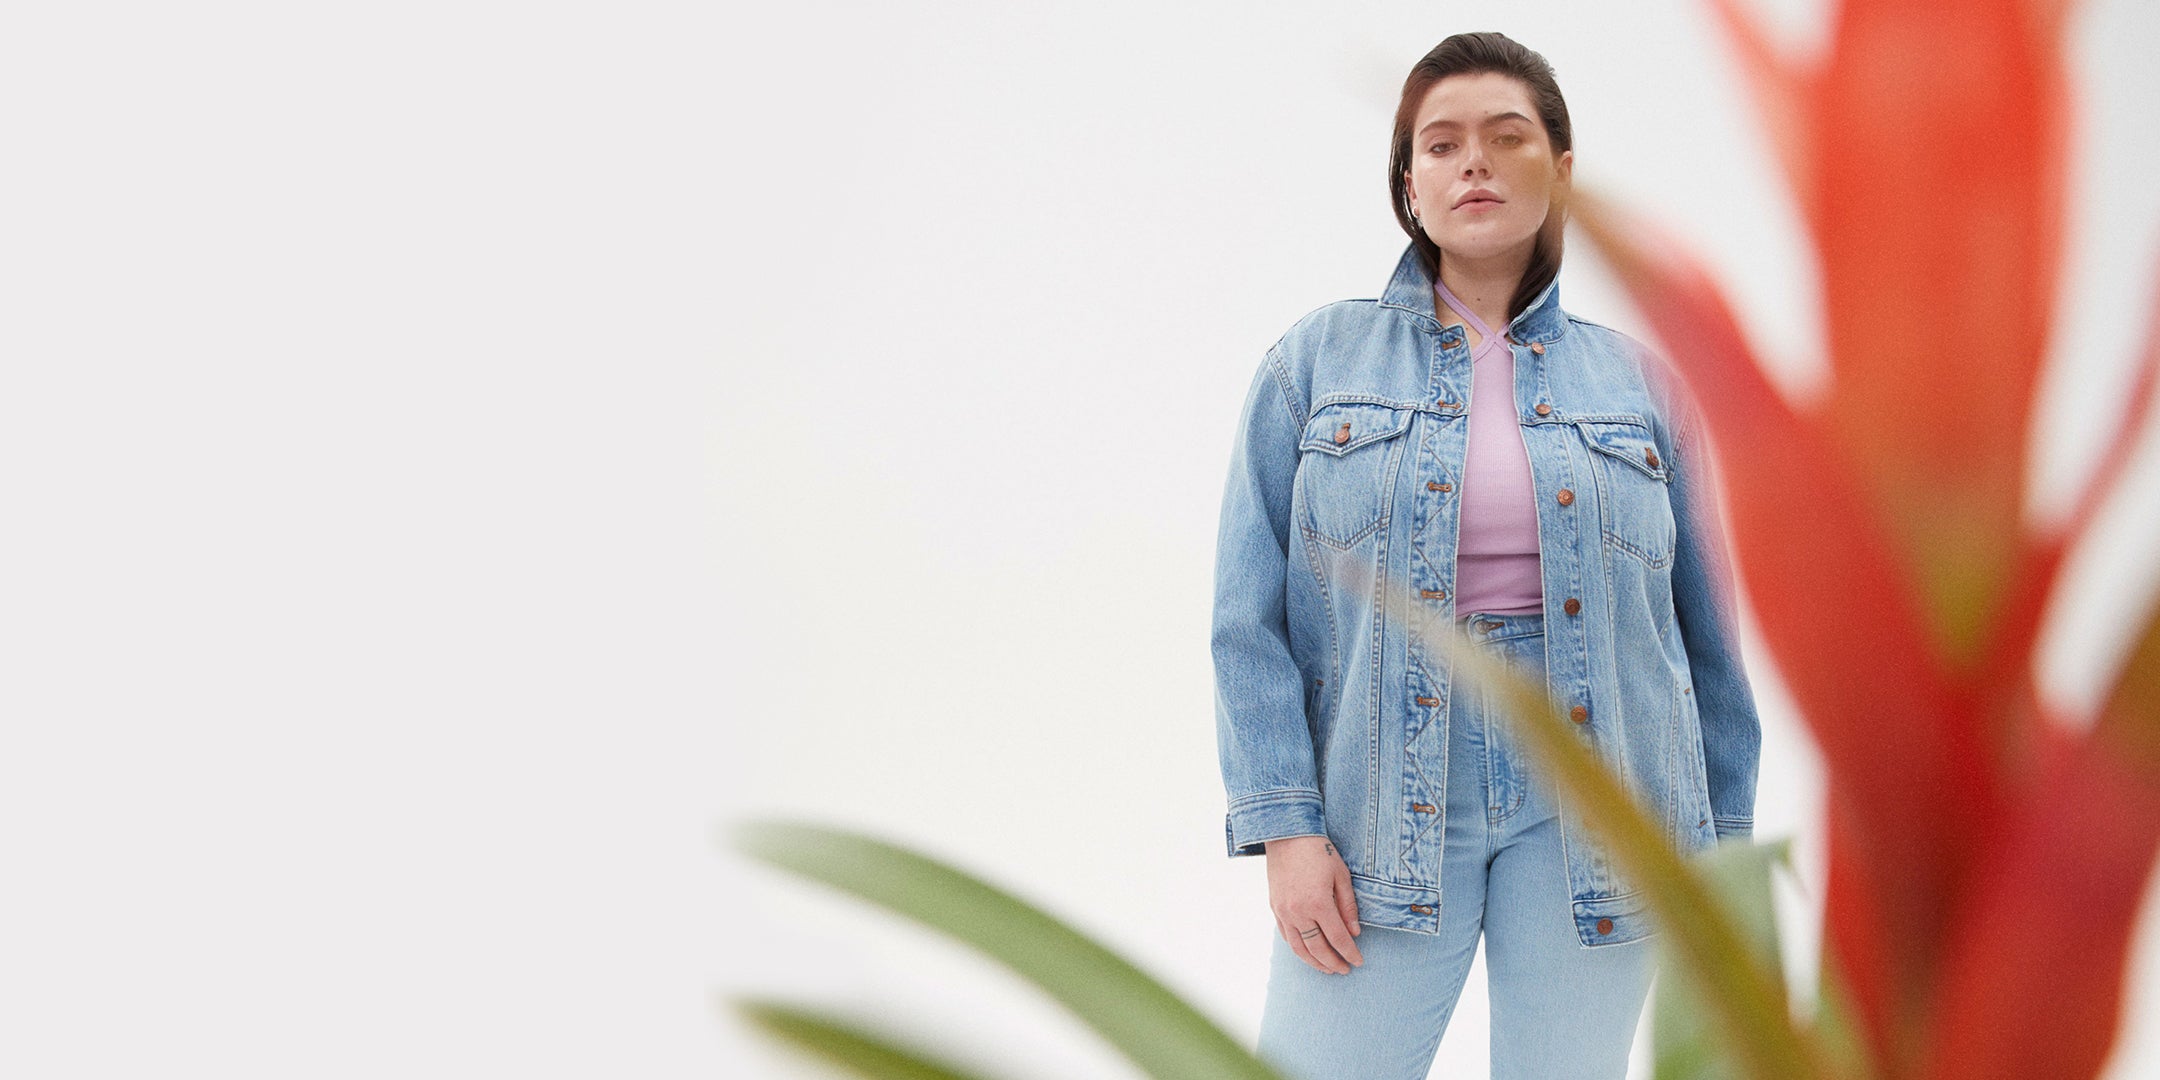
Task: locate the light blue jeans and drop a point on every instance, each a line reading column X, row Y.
column 1561, row 1010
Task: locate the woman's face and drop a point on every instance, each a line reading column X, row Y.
column 1482, row 172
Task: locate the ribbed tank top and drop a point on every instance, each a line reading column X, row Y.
column 1496, row 566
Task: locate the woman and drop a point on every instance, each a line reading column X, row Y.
column 1463, row 456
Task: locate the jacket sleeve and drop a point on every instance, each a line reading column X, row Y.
column 1260, row 727
column 1705, row 604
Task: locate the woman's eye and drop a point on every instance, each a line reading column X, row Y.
column 1441, row 148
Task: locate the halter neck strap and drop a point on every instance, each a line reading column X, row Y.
column 1488, row 341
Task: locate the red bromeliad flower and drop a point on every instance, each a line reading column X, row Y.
column 1986, row 855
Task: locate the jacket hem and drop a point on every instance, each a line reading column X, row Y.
column 1396, row 907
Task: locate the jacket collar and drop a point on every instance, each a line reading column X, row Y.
column 1411, row 290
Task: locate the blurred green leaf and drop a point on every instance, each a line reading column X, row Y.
column 838, row 1042
column 1687, row 1046
column 1834, row 1017
column 1167, row 1038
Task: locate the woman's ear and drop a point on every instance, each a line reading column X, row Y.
column 1563, row 182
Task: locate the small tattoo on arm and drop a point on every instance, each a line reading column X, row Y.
column 1329, row 847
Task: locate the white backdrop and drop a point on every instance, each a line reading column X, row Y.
column 461, row 455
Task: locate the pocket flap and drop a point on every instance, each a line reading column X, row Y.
column 1628, row 441
column 1345, row 426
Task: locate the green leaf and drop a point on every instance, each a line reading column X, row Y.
column 1157, row 1030
column 849, row 1046
column 1686, row 1044
column 1834, row 1023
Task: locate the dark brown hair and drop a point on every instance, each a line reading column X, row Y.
column 1468, row 54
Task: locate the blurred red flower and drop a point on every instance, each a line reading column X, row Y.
column 1986, row 856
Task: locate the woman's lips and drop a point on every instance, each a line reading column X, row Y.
column 1479, row 204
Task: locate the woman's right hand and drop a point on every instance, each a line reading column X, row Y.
column 1309, row 888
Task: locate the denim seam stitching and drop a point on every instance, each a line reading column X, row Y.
column 1281, row 377
column 1637, row 553
column 1344, row 544
column 1271, row 795
column 1327, row 608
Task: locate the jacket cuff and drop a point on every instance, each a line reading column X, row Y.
column 1741, row 830
column 1271, row 815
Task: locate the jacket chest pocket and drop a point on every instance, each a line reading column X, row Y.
column 1347, row 460
column 1635, row 506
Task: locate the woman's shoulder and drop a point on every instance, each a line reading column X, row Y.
column 1334, row 317
column 1341, row 330
column 1666, row 383
column 1617, row 342
column 1359, row 346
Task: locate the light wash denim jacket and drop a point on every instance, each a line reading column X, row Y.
column 1339, row 525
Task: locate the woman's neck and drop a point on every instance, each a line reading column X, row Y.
column 1484, row 287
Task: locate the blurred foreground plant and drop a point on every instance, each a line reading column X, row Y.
column 1986, row 853
column 1156, row 1029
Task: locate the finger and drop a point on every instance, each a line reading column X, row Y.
column 1297, row 945
column 1320, row 946
column 1346, row 902
column 1338, row 938
column 1302, row 946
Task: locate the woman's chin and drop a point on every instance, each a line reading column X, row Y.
column 1483, row 247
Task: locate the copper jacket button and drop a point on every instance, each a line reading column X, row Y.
column 1538, row 347
column 1573, row 606
column 1544, row 409
column 1566, row 497
column 1650, row 455
column 1604, row 926
column 1342, row 434
column 1579, row 714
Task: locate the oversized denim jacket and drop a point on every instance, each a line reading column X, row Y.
column 1339, row 525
